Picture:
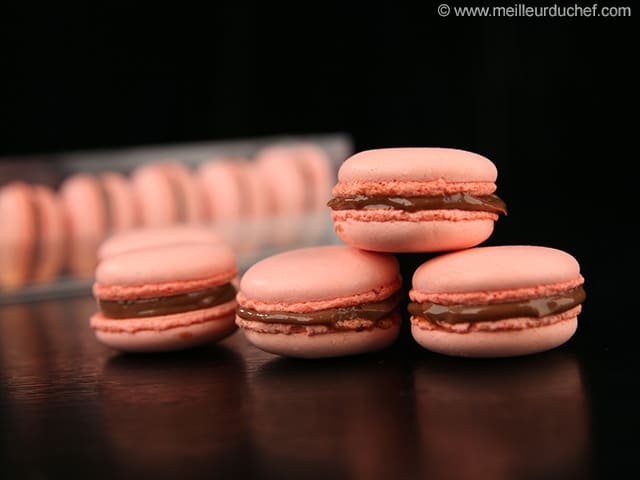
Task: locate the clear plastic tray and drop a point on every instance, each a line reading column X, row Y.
column 306, row 229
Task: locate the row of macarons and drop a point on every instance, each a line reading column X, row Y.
column 163, row 289
column 343, row 299
column 49, row 231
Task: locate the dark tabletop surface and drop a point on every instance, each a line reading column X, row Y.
column 71, row 407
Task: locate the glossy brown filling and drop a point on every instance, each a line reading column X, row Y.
column 460, row 201
column 535, row 307
column 157, row 306
column 366, row 311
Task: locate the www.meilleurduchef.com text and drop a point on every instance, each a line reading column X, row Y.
column 534, row 11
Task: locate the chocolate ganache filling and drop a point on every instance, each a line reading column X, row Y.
column 460, row 201
column 373, row 311
column 535, row 307
column 156, row 306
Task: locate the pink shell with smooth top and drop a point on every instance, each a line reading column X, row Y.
column 418, row 164
column 320, row 274
column 172, row 264
column 495, row 268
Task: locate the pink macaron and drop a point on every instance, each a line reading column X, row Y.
column 228, row 198
column 166, row 194
column 165, row 298
column 87, row 216
column 221, row 182
column 255, row 228
column 149, row 237
column 415, row 200
column 17, row 234
column 323, row 301
column 497, row 301
column 51, row 236
column 289, row 193
column 256, row 202
column 284, row 178
column 190, row 196
column 318, row 172
column 32, row 234
column 123, row 212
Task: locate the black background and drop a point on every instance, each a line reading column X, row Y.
column 552, row 101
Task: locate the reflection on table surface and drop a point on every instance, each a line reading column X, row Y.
column 69, row 405
column 524, row 418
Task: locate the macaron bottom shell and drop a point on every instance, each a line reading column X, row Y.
column 186, row 331
column 413, row 237
column 495, row 344
column 325, row 345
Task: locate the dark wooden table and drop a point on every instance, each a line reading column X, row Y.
column 72, row 408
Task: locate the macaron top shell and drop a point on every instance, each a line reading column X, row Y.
column 417, row 164
column 320, row 273
column 496, row 268
column 172, row 264
column 148, row 237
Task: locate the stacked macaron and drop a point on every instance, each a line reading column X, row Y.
column 467, row 301
column 415, row 200
column 48, row 232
